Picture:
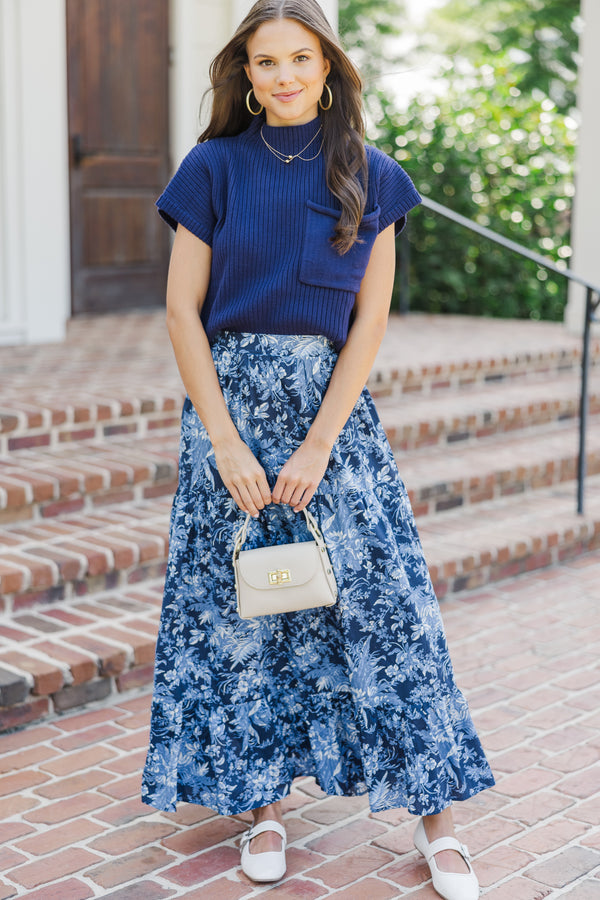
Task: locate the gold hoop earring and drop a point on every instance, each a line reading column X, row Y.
column 250, row 110
column 328, row 89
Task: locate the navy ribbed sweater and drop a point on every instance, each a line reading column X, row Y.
column 269, row 225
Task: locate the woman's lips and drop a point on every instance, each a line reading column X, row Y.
column 287, row 97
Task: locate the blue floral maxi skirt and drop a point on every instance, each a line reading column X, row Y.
column 361, row 694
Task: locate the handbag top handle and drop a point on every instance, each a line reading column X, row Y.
column 242, row 534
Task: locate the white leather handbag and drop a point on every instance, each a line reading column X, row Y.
column 283, row 578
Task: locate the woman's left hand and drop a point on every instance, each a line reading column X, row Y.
column 301, row 475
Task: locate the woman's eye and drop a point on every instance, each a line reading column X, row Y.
column 301, row 58
column 266, row 62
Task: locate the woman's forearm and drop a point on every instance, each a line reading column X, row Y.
column 197, row 370
column 348, row 379
column 189, row 276
column 357, row 356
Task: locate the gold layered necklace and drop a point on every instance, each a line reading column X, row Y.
column 288, row 158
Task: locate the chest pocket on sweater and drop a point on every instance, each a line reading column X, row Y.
column 321, row 265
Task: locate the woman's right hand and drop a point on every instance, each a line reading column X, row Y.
column 242, row 475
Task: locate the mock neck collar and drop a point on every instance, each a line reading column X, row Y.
column 289, row 138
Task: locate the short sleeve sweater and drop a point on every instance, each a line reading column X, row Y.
column 269, row 225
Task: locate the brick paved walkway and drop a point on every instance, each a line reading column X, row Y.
column 526, row 654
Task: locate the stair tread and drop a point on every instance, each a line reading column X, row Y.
column 116, row 345
column 478, row 545
column 54, row 478
column 109, row 413
column 124, row 536
column 74, row 650
column 420, row 340
column 42, row 555
column 493, row 397
column 148, row 452
column 482, row 412
column 48, row 475
column 37, row 407
column 510, row 519
column 115, row 516
column 91, row 368
column 508, row 452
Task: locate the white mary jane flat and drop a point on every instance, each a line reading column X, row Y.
column 268, row 866
column 450, row 885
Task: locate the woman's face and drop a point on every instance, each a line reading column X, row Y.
column 288, row 70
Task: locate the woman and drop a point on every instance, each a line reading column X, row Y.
column 278, row 296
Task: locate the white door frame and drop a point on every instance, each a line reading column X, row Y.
column 35, row 280
column 584, row 227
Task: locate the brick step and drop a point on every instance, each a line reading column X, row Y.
column 121, row 534
column 390, row 380
column 422, row 352
column 40, row 484
column 62, row 655
column 444, row 478
column 41, row 421
column 80, row 477
column 46, row 422
column 59, row 394
column 69, row 654
column 472, row 547
column 57, row 559
column 413, row 423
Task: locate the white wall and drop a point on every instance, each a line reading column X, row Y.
column 586, row 248
column 198, row 29
column 34, row 174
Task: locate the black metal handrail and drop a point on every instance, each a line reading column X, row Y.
column 591, row 305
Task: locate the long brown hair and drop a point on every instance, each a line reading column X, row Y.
column 343, row 124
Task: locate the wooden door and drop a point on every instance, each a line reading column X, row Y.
column 119, row 157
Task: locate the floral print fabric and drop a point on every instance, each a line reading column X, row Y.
column 361, row 695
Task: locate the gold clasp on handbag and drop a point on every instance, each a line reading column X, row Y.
column 280, row 576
